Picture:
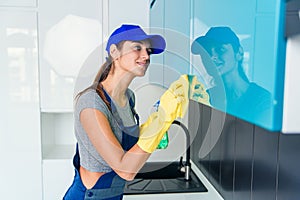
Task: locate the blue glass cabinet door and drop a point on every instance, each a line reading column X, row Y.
column 257, row 94
column 253, row 89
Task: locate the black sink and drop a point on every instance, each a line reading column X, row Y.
column 162, row 177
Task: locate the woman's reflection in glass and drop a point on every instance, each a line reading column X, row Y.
column 244, row 98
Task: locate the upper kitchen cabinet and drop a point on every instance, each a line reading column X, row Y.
column 127, row 12
column 173, row 17
column 156, row 21
column 19, row 3
column 69, row 32
column 246, row 78
column 177, row 33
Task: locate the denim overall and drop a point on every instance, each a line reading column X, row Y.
column 109, row 186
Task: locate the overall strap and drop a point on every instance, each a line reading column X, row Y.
column 131, row 104
column 76, row 158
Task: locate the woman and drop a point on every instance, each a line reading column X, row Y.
column 110, row 147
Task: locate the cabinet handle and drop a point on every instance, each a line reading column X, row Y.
column 152, row 3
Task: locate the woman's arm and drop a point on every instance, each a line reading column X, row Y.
column 173, row 104
column 97, row 127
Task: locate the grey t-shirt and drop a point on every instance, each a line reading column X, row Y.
column 89, row 157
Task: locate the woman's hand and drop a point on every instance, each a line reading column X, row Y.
column 173, row 104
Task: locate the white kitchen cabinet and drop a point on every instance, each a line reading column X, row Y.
column 66, row 39
column 177, row 34
column 18, row 3
column 175, row 27
column 156, row 70
column 128, row 12
column 20, row 146
column 57, row 177
column 58, row 139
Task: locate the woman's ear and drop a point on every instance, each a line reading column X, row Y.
column 114, row 52
column 240, row 54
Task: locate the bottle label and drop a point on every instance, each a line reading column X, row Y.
column 164, row 142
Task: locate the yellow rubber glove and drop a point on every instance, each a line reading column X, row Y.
column 176, row 96
column 173, row 104
column 197, row 91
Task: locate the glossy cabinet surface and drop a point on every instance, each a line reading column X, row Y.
column 19, row 3
column 57, row 177
column 20, row 147
column 66, row 40
column 177, row 32
column 259, row 28
column 172, row 18
column 156, row 21
column 128, row 15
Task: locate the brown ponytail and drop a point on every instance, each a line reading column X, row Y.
column 102, row 74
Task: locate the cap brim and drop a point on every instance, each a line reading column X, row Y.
column 158, row 43
column 200, row 43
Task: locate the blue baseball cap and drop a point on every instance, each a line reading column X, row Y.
column 215, row 35
column 135, row 33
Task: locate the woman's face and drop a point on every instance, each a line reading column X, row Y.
column 135, row 57
column 224, row 58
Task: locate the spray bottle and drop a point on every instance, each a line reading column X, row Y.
column 164, row 142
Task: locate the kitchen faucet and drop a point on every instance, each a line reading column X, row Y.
column 186, row 168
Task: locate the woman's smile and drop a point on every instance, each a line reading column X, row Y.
column 143, row 64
